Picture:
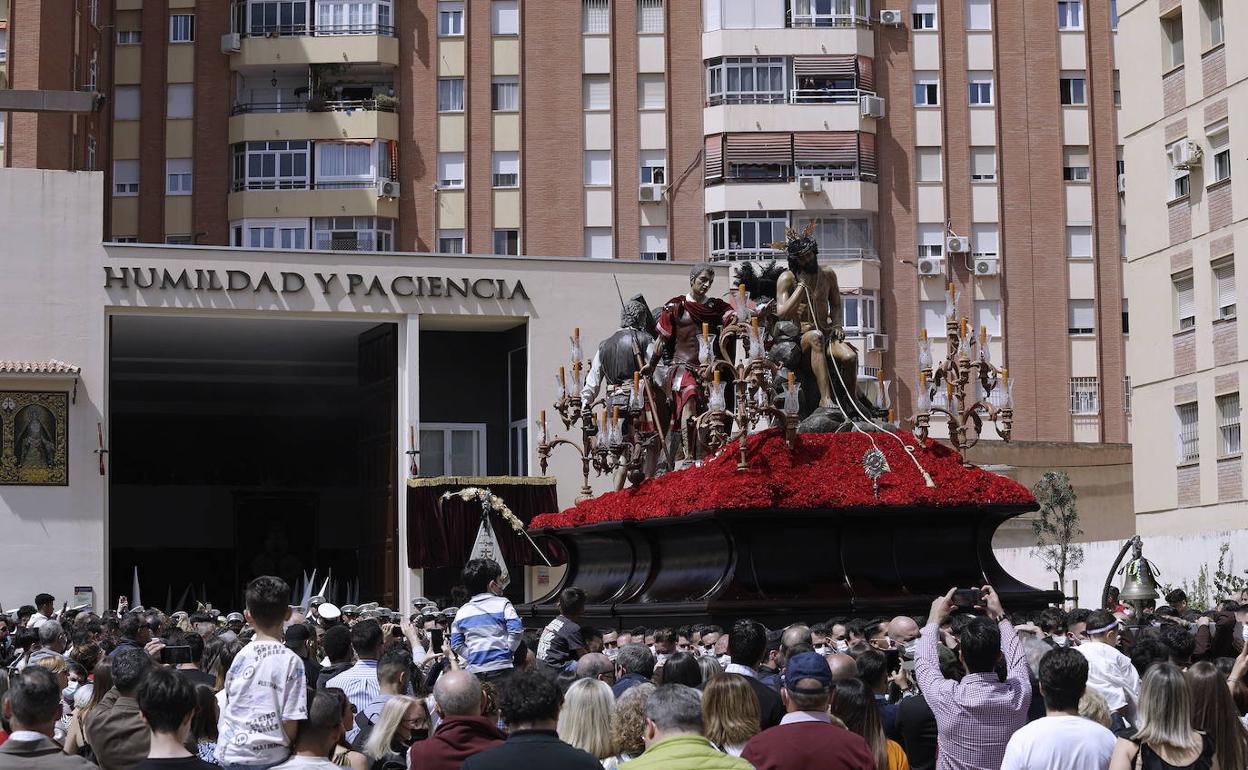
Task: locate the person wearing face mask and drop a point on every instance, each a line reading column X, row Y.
column 710, row 636
column 664, row 645
column 486, row 630
column 746, row 645
column 610, row 643
column 402, row 722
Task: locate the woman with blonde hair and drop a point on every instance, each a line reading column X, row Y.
column 628, row 725
column 854, row 704
column 1165, row 739
column 1092, row 706
column 397, row 725
column 585, row 719
column 730, row 712
column 1214, row 713
column 710, row 668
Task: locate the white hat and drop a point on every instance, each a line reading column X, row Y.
column 328, row 611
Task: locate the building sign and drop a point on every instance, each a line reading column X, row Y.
column 350, row 284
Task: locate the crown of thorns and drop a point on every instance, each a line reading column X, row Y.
column 797, row 243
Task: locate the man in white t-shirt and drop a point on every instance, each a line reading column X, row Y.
column 319, row 735
column 265, row 693
column 1062, row 739
column 1110, row 672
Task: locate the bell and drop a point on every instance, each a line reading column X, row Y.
column 1139, row 585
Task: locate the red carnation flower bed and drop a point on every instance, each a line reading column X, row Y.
column 824, row 471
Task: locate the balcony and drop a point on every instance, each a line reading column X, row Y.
column 313, row 44
column 792, row 41
column 343, row 119
column 309, row 200
column 831, row 255
column 838, row 110
column 838, row 192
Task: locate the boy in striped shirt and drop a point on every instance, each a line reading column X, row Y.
column 486, row 630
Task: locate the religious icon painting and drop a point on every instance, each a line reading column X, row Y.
column 34, row 438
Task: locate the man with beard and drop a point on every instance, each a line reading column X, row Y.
column 810, row 296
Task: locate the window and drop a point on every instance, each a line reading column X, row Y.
column 451, row 19
column 180, row 101
column 93, row 70
column 452, row 449
column 505, row 168
column 931, row 241
column 737, row 232
column 178, row 176
column 179, row 240
column 1113, row 14
column 654, row 243
column 505, row 94
column 932, row 314
column 1074, row 88
column 978, row 14
column 1117, row 88
column 1181, row 185
column 926, row 89
column 653, row 167
column 353, row 233
column 1070, row 14
column 1075, row 163
column 746, row 80
column 126, row 103
column 126, row 239
column 507, row 242
column 598, row 242
column 1172, row 41
column 1082, row 316
column 1228, row 425
column 450, row 94
column 271, row 165
column 94, row 12
column 651, row 92
column 353, row 17
column 129, row 37
column 843, row 236
column 985, row 240
column 281, row 17
column 983, row 164
column 343, row 165
column 4, row 44
column 1189, row 432
column 1215, row 32
column 90, row 145
column 181, row 28
column 923, row 15
column 1078, row 241
column 1220, row 148
column 650, row 17
column 596, row 17
column 125, row 177
column 988, row 316
column 596, row 93
column 1184, row 300
column 597, row 168
column 979, row 88
column 450, row 170
column 1084, row 395
column 450, row 241
column 1224, row 288
column 271, row 233
column 504, row 17
column 858, row 310
column 928, row 164
column 1126, row 316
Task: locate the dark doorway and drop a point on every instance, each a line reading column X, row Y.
column 250, row 446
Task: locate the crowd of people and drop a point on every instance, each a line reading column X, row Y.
column 968, row 686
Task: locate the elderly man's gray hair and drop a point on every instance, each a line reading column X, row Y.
column 675, row 708
column 636, row 659
column 49, row 632
column 458, row 693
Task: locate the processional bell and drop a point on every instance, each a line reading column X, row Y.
column 1139, row 585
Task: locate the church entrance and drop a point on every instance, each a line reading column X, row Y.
column 242, row 447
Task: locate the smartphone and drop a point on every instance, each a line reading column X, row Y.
column 175, row 655
column 397, row 632
column 435, row 639
column 967, row 598
column 893, row 657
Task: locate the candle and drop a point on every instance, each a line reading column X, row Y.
column 925, row 334
column 636, row 380
column 963, row 327
column 923, row 378
column 792, row 379
column 892, row 415
column 576, row 333
column 615, row 414
column 951, row 289
column 754, row 322
column 983, row 335
column 949, row 389
column 543, row 415
column 1005, row 378
column 715, row 376
column 706, row 330
column 741, row 293
column 562, row 381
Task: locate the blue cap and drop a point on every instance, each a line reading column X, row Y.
column 807, row 665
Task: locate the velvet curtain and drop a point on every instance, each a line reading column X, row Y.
column 440, row 532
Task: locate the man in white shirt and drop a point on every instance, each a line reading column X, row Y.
column 318, row 735
column 1110, row 672
column 45, row 607
column 1062, row 739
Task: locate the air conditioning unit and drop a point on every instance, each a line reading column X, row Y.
column 231, row 42
column 650, row 193
column 987, row 266
column 1185, row 154
column 877, row 342
column 809, row 184
column 891, row 18
column 932, row 267
column 1122, row 183
column 387, row 189
column 871, row 106
column 956, row 244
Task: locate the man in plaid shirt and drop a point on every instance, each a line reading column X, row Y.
column 976, row 716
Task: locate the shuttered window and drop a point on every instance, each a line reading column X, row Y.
column 1188, row 432
column 760, row 149
column 714, row 157
column 1082, row 316
column 1229, row 442
column 1224, row 288
column 1184, row 300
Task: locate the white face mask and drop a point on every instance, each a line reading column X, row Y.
column 842, row 645
column 1244, row 632
column 908, row 648
column 1061, row 641
column 823, row 649
column 611, row 652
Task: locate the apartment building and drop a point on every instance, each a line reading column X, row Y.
column 47, row 46
column 1186, row 110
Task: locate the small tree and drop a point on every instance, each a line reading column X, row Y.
column 1058, row 525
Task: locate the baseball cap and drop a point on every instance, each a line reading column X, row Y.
column 807, row 665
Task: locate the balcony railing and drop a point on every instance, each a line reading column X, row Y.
column 341, row 105
column 358, row 242
column 303, row 30
column 794, row 96
column 745, row 255
column 786, row 174
column 824, row 20
column 241, row 185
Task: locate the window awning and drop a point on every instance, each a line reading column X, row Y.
column 760, row 149
column 825, row 148
column 825, row 66
column 866, row 153
column 866, row 73
column 714, row 157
